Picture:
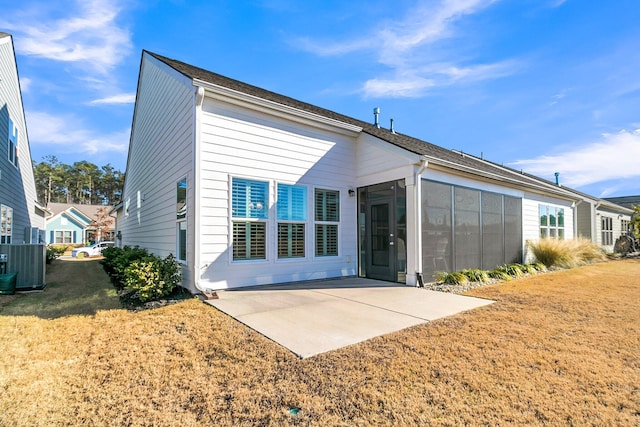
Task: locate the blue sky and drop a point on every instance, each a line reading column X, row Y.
column 538, row 85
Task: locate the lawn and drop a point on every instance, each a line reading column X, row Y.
column 560, row 348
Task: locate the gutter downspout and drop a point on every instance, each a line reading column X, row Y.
column 199, row 95
column 418, row 221
column 594, row 225
column 575, row 217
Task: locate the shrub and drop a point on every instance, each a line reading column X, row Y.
column 453, row 278
column 566, row 253
column 475, row 275
column 528, row 268
column 540, row 267
column 152, row 277
column 514, row 270
column 54, row 252
column 116, row 260
column 499, row 274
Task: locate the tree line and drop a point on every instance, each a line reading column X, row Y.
column 80, row 183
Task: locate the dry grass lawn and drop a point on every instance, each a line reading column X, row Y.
column 561, row 348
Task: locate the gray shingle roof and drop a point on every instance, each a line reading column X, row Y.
column 435, row 153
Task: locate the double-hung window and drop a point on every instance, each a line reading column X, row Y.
column 64, row 236
column 551, row 222
column 250, row 213
column 607, row 231
column 13, row 144
column 327, row 218
column 625, row 227
column 292, row 217
column 181, row 219
column 6, row 221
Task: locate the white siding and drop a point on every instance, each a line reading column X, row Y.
column 17, row 185
column 160, row 154
column 379, row 161
column 244, row 143
column 616, row 219
column 531, row 218
column 585, row 223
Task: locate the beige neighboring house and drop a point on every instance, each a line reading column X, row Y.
column 75, row 224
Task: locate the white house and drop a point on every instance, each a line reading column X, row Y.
column 249, row 187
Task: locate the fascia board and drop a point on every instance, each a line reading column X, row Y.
column 273, row 108
column 443, row 165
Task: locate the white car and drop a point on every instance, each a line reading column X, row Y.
column 92, row 250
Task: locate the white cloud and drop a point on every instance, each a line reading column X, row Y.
column 402, row 87
column 615, row 156
column 68, row 133
column 122, row 98
column 414, row 84
column 88, row 35
column 401, row 46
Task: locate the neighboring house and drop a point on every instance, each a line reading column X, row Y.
column 21, row 217
column 74, row 224
column 248, row 187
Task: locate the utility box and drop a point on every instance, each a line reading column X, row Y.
column 8, row 283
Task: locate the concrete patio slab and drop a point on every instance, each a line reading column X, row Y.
column 315, row 317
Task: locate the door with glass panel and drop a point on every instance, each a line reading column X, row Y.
column 380, row 236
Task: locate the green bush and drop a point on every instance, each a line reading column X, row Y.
column 152, row 277
column 475, row 275
column 54, row 252
column 540, row 267
column 116, row 260
column 453, row 278
column 499, row 274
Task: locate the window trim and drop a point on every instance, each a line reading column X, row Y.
column 304, row 222
column 552, row 212
column 606, row 234
column 6, row 223
column 55, row 237
column 181, row 220
column 266, row 220
column 317, row 222
column 12, row 144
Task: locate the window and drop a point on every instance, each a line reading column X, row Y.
column 551, row 222
column 292, row 215
column 249, row 210
column 625, row 227
column 607, row 231
column 6, row 220
column 327, row 217
column 181, row 219
column 64, row 236
column 13, row 144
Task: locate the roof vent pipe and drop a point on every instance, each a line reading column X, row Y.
column 391, row 128
column 376, row 115
column 557, row 174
